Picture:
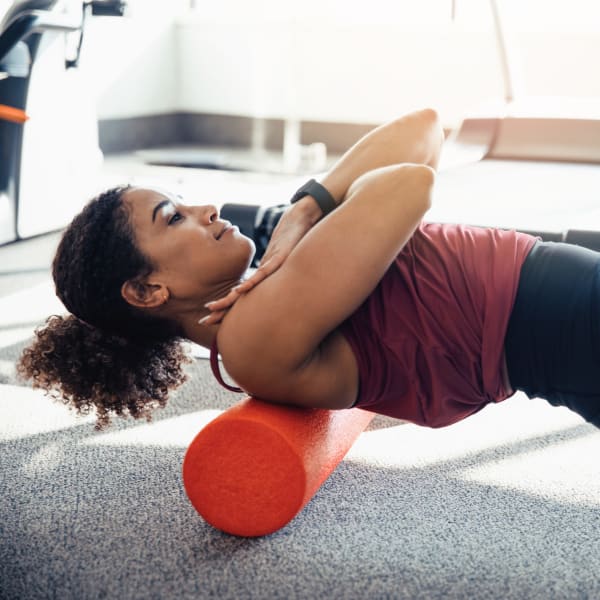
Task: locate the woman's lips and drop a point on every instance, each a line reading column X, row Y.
column 224, row 230
column 227, row 229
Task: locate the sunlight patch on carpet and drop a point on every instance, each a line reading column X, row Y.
column 176, row 432
column 498, row 427
column 25, row 412
column 566, row 472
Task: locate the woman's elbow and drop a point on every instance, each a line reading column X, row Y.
column 422, row 180
column 410, row 183
column 426, row 182
column 427, row 175
column 430, row 116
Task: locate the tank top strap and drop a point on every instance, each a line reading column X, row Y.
column 214, row 365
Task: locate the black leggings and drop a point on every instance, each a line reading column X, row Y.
column 553, row 338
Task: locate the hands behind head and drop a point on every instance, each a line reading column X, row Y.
column 219, row 308
column 291, row 228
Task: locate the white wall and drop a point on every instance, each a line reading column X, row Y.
column 130, row 63
column 361, row 62
column 351, row 73
column 339, row 61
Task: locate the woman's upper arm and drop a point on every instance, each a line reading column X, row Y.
column 329, row 273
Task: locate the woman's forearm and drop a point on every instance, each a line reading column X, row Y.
column 415, row 138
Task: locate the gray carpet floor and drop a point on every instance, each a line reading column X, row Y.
column 505, row 504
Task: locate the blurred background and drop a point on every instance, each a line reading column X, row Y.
column 105, row 88
column 330, row 61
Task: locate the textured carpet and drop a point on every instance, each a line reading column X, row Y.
column 503, row 505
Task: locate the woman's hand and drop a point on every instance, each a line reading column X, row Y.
column 295, row 222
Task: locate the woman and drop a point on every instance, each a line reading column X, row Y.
column 365, row 306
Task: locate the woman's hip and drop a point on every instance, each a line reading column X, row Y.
column 553, row 338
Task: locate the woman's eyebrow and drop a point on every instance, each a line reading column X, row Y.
column 159, row 206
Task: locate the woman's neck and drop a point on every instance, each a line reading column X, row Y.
column 200, row 334
column 189, row 314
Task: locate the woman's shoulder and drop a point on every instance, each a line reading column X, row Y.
column 266, row 365
column 246, row 332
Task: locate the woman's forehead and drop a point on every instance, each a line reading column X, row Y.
column 140, row 204
column 145, row 196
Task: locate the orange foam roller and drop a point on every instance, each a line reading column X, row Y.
column 251, row 470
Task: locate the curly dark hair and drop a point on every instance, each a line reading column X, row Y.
column 106, row 355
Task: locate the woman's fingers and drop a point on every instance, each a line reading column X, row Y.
column 273, row 264
column 225, row 302
column 213, row 318
column 266, row 268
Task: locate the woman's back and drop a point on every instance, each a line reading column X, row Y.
column 429, row 339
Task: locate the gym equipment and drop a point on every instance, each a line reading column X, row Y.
column 8, row 113
column 539, row 129
column 251, row 470
column 258, row 222
column 49, row 153
column 255, row 222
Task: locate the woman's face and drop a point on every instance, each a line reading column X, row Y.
column 195, row 254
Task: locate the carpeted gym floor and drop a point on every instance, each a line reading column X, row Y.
column 503, row 505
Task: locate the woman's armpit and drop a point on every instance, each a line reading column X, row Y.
column 280, row 370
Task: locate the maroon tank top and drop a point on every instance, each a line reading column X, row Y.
column 214, row 365
column 429, row 339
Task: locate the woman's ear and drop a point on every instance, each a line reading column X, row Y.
column 144, row 295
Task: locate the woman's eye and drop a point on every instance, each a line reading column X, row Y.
column 175, row 217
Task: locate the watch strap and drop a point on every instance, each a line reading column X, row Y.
column 319, row 192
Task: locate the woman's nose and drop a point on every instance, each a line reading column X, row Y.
column 208, row 214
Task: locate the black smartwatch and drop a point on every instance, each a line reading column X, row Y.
column 321, row 195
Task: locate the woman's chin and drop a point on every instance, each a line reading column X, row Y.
column 251, row 249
